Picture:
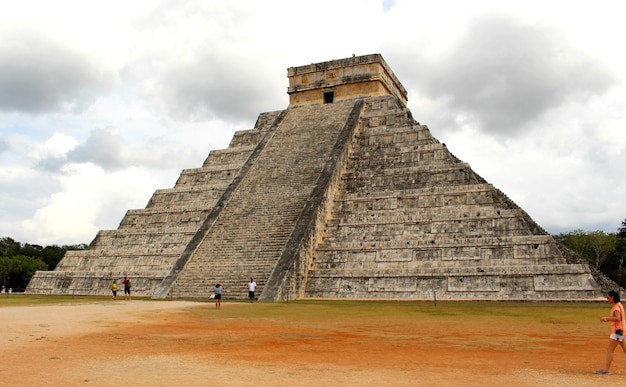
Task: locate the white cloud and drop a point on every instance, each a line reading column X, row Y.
column 87, row 202
column 57, row 146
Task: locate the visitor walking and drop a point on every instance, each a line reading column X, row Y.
column 126, row 283
column 114, row 289
column 616, row 319
column 251, row 289
column 217, row 291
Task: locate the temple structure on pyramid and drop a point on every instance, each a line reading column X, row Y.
column 341, row 195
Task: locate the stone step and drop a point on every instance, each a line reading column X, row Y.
column 266, row 204
column 455, row 271
column 231, row 158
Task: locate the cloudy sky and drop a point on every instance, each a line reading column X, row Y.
column 103, row 102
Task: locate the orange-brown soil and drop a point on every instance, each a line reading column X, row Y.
column 147, row 343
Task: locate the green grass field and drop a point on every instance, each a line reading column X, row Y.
column 549, row 312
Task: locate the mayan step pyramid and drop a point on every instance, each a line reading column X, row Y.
column 341, row 195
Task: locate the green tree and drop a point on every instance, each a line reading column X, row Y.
column 578, row 241
column 620, row 250
column 17, row 271
column 31, row 250
column 598, row 248
column 9, row 247
column 603, row 246
column 6, row 267
column 18, row 262
column 51, row 255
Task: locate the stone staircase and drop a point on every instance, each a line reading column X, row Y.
column 248, row 237
column 412, row 221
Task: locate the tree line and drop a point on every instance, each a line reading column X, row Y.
column 20, row 261
column 604, row 251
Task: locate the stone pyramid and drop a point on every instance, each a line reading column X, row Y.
column 341, row 195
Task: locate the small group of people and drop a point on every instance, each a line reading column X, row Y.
column 218, row 289
column 127, row 286
column 4, row 290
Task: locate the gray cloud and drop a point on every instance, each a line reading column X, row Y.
column 39, row 76
column 215, row 73
column 51, row 163
column 211, row 87
column 4, row 145
column 503, row 75
column 103, row 147
column 109, row 149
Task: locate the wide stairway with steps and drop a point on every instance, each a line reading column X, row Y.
column 252, row 230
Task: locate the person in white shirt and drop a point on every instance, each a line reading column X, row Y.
column 251, row 289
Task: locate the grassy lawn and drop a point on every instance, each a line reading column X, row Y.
column 18, row 299
column 519, row 315
column 470, row 312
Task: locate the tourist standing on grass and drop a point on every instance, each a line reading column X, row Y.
column 616, row 318
column 126, row 283
column 217, row 291
column 114, row 289
column 251, row 289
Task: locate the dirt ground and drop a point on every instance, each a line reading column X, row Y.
column 148, row 343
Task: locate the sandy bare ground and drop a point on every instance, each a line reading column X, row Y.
column 148, row 343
